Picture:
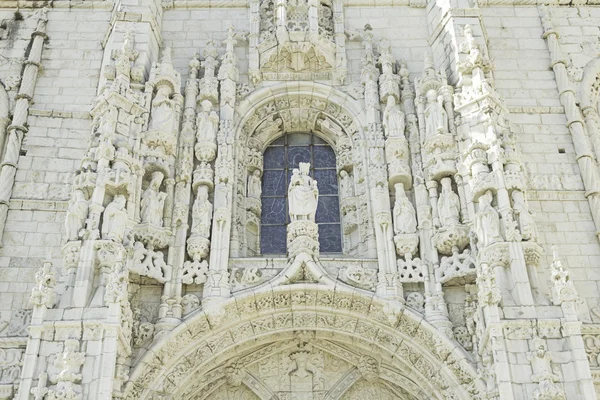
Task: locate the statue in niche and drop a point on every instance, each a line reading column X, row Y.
column 207, row 123
column 76, row 215
column 254, row 184
column 436, row 119
column 541, row 362
column 405, row 219
column 393, row 119
column 115, row 219
column 153, row 201
column 487, row 221
column 162, row 117
column 303, row 194
column 448, row 204
column 346, row 185
column 524, row 216
column 202, row 213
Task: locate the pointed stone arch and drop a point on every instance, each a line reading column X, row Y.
column 409, row 349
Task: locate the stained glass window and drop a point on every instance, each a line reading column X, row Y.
column 280, row 158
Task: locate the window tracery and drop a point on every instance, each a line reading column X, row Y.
column 280, row 158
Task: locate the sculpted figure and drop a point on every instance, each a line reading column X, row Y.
column 393, row 119
column 115, row 219
column 524, row 216
column 346, row 185
column 405, row 219
column 153, row 201
column 487, row 221
column 448, row 204
column 76, row 215
column 436, row 119
column 162, row 117
column 202, row 213
column 254, row 184
column 207, row 123
column 302, row 194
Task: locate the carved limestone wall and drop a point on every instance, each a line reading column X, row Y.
column 131, row 200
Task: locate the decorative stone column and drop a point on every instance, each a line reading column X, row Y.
column 17, row 129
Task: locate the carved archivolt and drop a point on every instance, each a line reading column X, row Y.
column 297, row 108
column 251, row 321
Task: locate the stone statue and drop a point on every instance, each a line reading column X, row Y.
column 254, row 184
column 436, row 119
column 202, row 213
column 487, row 221
column 76, row 215
column 207, row 123
column 393, row 119
column 302, row 194
column 115, row 219
column 346, row 185
column 524, row 216
column 162, row 117
column 153, row 201
column 448, row 204
column 405, row 220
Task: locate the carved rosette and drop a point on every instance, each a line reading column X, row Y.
column 302, row 237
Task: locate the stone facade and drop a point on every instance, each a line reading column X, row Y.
column 136, row 200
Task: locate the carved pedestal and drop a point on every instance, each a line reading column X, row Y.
column 451, row 236
column 406, row 243
column 302, row 237
column 198, row 247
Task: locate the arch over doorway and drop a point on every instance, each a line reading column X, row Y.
column 203, row 353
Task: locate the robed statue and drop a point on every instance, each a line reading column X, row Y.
column 405, row 219
column 302, row 194
column 76, row 215
column 487, row 221
column 114, row 221
column 153, row 201
column 448, row 204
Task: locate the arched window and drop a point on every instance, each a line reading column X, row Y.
column 280, row 158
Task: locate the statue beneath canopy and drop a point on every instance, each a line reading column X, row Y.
column 303, row 194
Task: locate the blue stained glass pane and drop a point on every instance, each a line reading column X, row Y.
column 273, row 210
column 274, row 158
column 298, row 139
column 318, row 140
column 273, row 239
column 324, row 157
column 274, row 183
column 296, row 155
column 326, row 181
column 330, row 238
column 328, row 209
column 278, row 142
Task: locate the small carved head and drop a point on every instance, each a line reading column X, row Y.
column 206, row 106
column 431, row 95
column 304, row 168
